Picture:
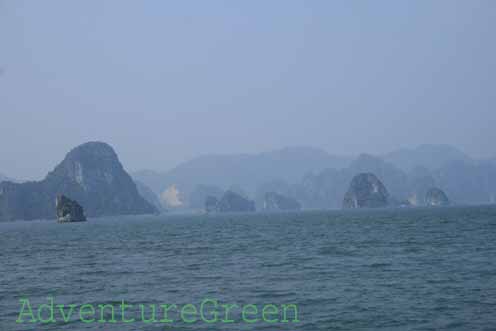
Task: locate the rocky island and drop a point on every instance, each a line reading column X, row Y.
column 230, row 202
column 366, row 191
column 91, row 174
column 68, row 210
column 436, row 197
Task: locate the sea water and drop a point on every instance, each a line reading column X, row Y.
column 398, row 269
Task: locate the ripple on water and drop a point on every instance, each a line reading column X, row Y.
column 383, row 270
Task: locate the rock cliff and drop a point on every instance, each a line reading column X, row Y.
column 230, row 202
column 68, row 210
column 149, row 195
column 436, row 197
column 366, row 191
column 91, row 174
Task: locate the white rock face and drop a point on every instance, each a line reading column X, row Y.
column 171, row 197
column 366, row 191
column 90, row 173
column 375, row 188
column 78, row 173
column 413, row 199
column 436, row 197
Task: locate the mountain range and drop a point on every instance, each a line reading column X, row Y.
column 428, row 156
column 319, row 180
column 245, row 171
column 93, row 175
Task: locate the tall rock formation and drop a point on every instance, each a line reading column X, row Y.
column 436, row 197
column 91, row 174
column 366, row 191
column 327, row 188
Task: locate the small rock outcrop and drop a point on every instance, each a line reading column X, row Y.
column 68, row 210
column 436, row 197
column 274, row 201
column 366, row 191
column 233, row 202
column 211, row 204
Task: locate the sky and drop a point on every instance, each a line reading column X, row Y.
column 165, row 81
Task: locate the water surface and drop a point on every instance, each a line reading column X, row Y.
column 418, row 269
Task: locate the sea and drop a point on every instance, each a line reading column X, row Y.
column 391, row 269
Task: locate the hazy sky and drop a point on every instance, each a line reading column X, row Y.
column 164, row 81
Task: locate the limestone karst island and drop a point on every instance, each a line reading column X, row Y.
column 91, row 182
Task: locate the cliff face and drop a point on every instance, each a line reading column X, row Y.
column 91, row 174
column 366, row 191
column 149, row 195
column 274, row 201
column 68, row 210
column 436, row 197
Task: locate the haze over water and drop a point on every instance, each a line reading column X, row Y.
column 142, row 107
column 164, row 82
column 403, row 269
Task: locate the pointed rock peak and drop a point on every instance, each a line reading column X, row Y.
column 366, row 191
column 92, row 150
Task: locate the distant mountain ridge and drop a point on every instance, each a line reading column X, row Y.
column 244, row 170
column 91, row 174
column 317, row 178
column 465, row 182
column 326, row 189
column 428, row 156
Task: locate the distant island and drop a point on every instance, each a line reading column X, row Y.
column 366, row 191
column 230, row 202
column 283, row 180
column 91, row 174
column 319, row 180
